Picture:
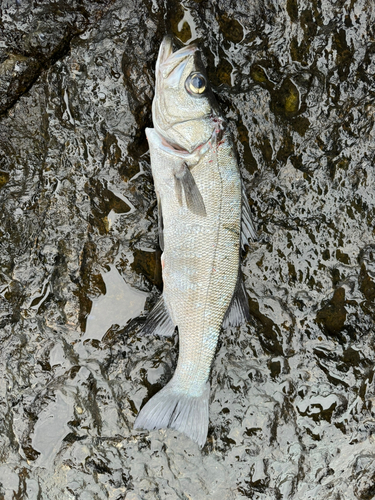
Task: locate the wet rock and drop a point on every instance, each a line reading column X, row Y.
column 333, row 314
column 363, row 468
column 148, row 265
column 32, row 46
column 293, row 392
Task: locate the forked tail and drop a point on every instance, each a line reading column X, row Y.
column 177, row 410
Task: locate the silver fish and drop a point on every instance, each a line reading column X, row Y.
column 204, row 218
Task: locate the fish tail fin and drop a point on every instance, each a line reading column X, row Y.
column 171, row 408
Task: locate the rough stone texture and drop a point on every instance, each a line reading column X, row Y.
column 293, row 392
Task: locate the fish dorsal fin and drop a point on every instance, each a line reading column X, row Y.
column 238, row 310
column 185, row 181
column 159, row 321
column 160, row 223
column 247, row 230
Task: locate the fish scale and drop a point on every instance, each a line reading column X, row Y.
column 201, row 212
column 204, row 270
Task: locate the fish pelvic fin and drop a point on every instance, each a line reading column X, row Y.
column 174, row 409
column 160, row 223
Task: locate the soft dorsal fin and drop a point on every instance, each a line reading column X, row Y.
column 159, row 321
column 184, row 180
column 238, row 310
column 247, row 230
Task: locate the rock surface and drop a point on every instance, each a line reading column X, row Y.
column 292, row 411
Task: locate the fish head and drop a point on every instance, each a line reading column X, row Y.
column 184, row 110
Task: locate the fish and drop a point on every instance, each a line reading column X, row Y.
column 204, row 222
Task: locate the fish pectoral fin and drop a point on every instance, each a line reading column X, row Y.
column 159, row 321
column 238, row 310
column 247, row 227
column 194, row 201
column 160, row 223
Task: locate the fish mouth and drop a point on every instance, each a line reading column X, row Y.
column 168, row 61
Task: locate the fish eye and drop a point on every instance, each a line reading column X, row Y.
column 196, row 83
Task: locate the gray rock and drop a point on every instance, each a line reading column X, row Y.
column 293, row 395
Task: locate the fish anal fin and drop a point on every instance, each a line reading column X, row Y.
column 193, row 197
column 159, row 321
column 238, row 310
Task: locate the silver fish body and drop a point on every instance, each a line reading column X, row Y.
column 201, row 217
